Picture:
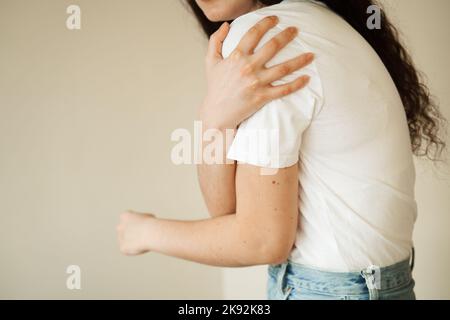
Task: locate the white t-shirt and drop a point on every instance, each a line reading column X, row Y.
column 348, row 133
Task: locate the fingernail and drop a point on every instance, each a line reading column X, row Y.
column 310, row 56
column 274, row 18
column 293, row 30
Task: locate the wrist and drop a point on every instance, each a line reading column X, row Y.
column 213, row 121
column 218, row 125
column 151, row 234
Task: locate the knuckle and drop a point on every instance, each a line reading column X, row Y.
column 287, row 90
column 236, row 55
column 254, row 31
column 302, row 61
column 285, row 70
column 254, row 83
column 213, row 39
column 248, row 69
column 275, row 44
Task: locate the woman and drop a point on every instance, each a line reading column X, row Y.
column 334, row 220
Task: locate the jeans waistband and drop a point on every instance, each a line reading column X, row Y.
column 373, row 279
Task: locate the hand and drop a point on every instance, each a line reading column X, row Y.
column 133, row 231
column 241, row 84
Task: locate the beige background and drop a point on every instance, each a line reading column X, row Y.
column 85, row 123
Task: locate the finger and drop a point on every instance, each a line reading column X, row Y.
column 216, row 42
column 284, row 69
column 253, row 36
column 275, row 45
column 277, row 92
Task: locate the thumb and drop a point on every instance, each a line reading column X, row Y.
column 216, row 42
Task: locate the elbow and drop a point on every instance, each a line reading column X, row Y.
column 270, row 249
column 267, row 241
column 274, row 253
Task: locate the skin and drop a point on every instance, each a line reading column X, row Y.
column 253, row 217
column 217, row 10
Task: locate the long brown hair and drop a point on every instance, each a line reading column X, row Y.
column 425, row 120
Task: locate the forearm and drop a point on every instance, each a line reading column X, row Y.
column 224, row 241
column 217, row 181
column 262, row 231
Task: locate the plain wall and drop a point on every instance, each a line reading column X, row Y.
column 85, row 125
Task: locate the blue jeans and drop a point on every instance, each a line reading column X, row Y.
column 291, row 281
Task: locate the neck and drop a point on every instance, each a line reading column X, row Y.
column 257, row 5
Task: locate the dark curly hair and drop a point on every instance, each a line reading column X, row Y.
column 425, row 120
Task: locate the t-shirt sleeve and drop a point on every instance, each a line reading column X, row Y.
column 272, row 137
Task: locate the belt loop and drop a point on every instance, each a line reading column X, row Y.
column 372, row 275
column 280, row 280
column 413, row 258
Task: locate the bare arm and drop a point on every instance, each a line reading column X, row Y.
column 261, row 232
column 238, row 87
column 261, row 229
column 217, row 183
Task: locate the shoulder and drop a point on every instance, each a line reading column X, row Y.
column 308, row 16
